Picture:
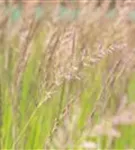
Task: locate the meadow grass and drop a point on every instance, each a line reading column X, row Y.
column 67, row 83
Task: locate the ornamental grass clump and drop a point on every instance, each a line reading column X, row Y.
column 67, row 82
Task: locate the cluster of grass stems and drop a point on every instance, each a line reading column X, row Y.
column 67, row 83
